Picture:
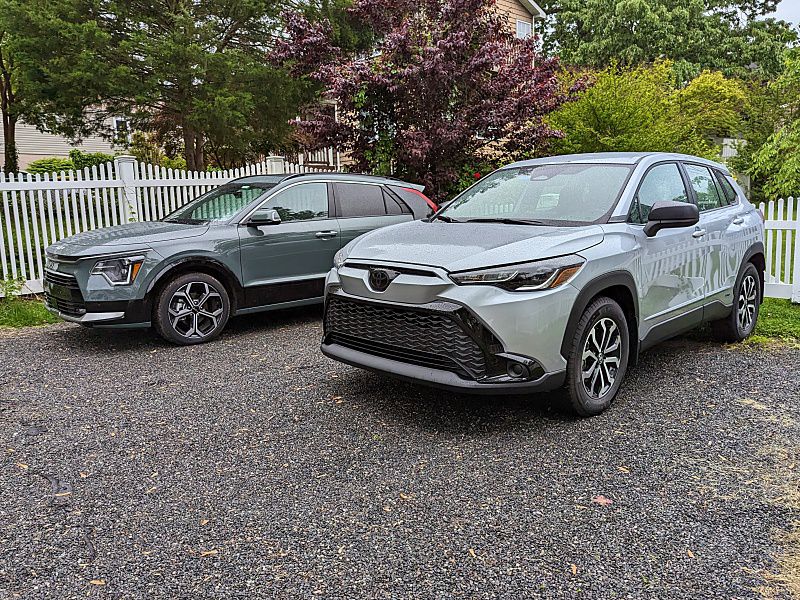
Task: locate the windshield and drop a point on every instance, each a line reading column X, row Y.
column 219, row 204
column 560, row 194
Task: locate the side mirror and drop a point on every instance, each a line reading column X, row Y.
column 264, row 216
column 667, row 214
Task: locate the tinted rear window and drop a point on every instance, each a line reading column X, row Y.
column 359, row 200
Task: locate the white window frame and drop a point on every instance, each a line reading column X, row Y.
column 526, row 24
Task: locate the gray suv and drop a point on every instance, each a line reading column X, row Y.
column 257, row 243
column 551, row 273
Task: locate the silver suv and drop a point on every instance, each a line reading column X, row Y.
column 551, row 273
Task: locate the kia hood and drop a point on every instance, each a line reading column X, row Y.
column 129, row 235
column 460, row 246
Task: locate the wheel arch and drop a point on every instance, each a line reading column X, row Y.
column 194, row 264
column 620, row 287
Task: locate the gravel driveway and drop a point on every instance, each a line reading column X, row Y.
column 256, row 467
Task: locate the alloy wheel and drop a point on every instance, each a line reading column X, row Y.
column 195, row 310
column 602, row 353
column 746, row 306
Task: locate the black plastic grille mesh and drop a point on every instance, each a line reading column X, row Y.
column 424, row 338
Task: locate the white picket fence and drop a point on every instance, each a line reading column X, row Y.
column 782, row 248
column 41, row 209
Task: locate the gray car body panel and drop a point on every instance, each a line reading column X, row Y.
column 677, row 278
column 249, row 257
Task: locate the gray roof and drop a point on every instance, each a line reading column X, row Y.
column 329, row 176
column 625, row 158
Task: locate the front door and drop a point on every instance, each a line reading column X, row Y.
column 671, row 270
column 288, row 261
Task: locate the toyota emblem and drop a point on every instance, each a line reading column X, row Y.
column 379, row 279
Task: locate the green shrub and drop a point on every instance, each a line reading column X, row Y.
column 81, row 160
column 50, row 165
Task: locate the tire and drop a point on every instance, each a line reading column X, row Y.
column 192, row 309
column 591, row 394
column 746, row 304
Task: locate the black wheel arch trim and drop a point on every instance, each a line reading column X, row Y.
column 204, row 264
column 594, row 288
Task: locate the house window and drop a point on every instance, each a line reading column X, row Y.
column 524, row 29
column 122, row 131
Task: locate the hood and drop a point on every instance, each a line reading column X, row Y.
column 129, row 234
column 459, row 246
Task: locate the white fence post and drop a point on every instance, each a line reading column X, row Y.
column 796, row 259
column 276, row 165
column 125, row 166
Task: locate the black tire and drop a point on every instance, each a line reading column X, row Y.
column 746, row 297
column 598, row 317
column 205, row 305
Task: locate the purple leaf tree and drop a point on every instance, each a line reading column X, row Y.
column 447, row 88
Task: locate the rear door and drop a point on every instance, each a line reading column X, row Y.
column 671, row 271
column 362, row 207
column 716, row 217
column 289, row 261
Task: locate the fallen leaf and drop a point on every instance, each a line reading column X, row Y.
column 623, row 469
column 151, row 490
column 574, row 569
column 472, row 553
column 203, row 521
column 209, row 553
column 22, row 466
column 690, row 554
column 602, row 500
column 98, row 582
column 83, row 474
column 405, row 496
column 60, row 494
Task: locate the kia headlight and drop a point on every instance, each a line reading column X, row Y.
column 119, row 271
column 526, row 277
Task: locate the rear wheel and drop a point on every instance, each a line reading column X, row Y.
column 599, row 358
column 746, row 304
column 192, row 309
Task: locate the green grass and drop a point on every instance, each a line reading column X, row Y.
column 779, row 319
column 21, row 312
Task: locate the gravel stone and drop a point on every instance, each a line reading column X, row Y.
column 253, row 466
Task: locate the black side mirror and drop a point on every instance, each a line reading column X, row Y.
column 668, row 214
column 264, row 216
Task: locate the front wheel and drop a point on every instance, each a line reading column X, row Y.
column 192, row 309
column 599, row 358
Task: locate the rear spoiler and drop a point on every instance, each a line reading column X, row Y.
column 414, row 186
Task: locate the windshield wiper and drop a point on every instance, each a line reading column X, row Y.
column 182, row 221
column 506, row 220
column 446, row 219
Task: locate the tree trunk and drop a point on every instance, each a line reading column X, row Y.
column 11, row 163
column 193, row 149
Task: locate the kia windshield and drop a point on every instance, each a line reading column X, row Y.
column 555, row 194
column 219, row 204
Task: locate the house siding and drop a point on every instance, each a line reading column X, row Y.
column 32, row 145
column 514, row 10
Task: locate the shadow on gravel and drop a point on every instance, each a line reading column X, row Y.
column 122, row 340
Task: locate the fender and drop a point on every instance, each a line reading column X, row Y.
column 204, row 263
column 585, row 296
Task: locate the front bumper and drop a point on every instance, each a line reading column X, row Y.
column 424, row 328
column 438, row 378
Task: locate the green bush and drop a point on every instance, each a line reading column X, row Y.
column 81, row 160
column 50, row 165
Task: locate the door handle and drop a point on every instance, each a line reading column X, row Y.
column 738, row 220
column 327, row 234
column 699, row 233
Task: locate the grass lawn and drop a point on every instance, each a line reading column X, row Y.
column 23, row 312
column 779, row 319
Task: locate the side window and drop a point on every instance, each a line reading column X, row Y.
column 301, row 202
column 705, row 187
column 359, row 200
column 392, row 206
column 662, row 182
column 727, row 188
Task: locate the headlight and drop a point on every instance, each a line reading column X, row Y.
column 340, row 257
column 539, row 275
column 119, row 271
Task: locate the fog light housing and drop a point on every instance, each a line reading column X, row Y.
column 517, row 370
